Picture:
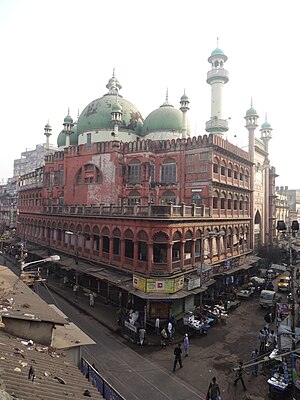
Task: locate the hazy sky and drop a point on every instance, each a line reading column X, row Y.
column 57, row 54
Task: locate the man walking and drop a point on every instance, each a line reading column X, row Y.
column 75, row 290
column 186, row 344
column 177, row 354
column 157, row 330
column 213, row 389
column 142, row 333
column 92, row 300
column 254, row 356
column 262, row 341
column 239, row 375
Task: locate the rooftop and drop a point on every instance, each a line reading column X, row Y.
column 56, row 376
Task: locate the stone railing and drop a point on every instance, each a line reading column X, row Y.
column 140, row 211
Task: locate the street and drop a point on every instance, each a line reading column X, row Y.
column 146, row 372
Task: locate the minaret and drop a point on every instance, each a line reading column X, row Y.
column 116, row 117
column 47, row 133
column 68, row 128
column 184, row 103
column 266, row 134
column 217, row 77
column 251, row 124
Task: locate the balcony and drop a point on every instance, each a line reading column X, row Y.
column 216, row 125
column 136, row 211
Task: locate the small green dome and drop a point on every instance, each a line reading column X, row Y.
column 165, row 118
column 184, row 98
column 68, row 120
column 61, row 139
column 116, row 107
column 217, row 51
column 251, row 112
column 266, row 125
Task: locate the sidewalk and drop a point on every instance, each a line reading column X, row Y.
column 105, row 314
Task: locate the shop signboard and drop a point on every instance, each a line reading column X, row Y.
column 160, row 285
column 178, row 284
column 138, row 282
column 194, row 283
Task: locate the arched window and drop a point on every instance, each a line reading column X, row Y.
column 235, row 172
column 134, row 197
column 216, row 166
column 229, row 201
column 241, row 203
column 88, row 174
column 134, row 171
column 223, row 199
column 223, row 168
column 168, row 197
column 168, row 171
column 196, row 199
column 215, row 199
column 235, row 202
column 229, row 171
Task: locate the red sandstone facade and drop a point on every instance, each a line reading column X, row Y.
column 145, row 207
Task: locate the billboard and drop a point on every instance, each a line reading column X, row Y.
column 157, row 285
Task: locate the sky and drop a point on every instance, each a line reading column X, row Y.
column 60, row 54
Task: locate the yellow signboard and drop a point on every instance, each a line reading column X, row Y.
column 156, row 285
column 139, row 282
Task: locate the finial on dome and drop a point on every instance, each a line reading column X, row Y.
column 113, row 72
column 266, row 118
column 251, row 102
column 217, row 41
column 68, row 110
column 167, row 95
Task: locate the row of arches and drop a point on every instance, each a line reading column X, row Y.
column 140, row 249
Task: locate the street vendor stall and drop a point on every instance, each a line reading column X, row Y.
column 198, row 325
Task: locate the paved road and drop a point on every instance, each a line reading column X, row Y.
column 146, row 373
column 133, row 375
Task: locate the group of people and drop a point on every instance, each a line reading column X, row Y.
column 267, row 340
column 167, row 332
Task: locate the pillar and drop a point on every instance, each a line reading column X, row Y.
column 169, row 257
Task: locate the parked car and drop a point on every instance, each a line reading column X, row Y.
column 284, row 283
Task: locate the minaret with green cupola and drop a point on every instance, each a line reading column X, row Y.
column 266, row 134
column 184, row 107
column 216, row 78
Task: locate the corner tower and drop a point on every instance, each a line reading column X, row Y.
column 216, row 78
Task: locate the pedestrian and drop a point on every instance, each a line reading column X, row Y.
column 239, row 375
column 267, row 319
column 272, row 340
column 163, row 338
column 186, row 344
column 65, row 281
column 75, row 290
column 142, row 333
column 157, row 327
column 254, row 356
column 262, row 341
column 92, row 300
column 177, row 354
column 297, row 273
column 170, row 330
column 213, row 392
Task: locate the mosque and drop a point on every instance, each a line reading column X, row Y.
column 166, row 216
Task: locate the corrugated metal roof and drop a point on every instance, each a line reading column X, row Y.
column 20, row 302
column 17, row 357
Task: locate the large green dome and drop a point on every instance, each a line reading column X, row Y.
column 164, row 118
column 97, row 115
column 61, row 139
